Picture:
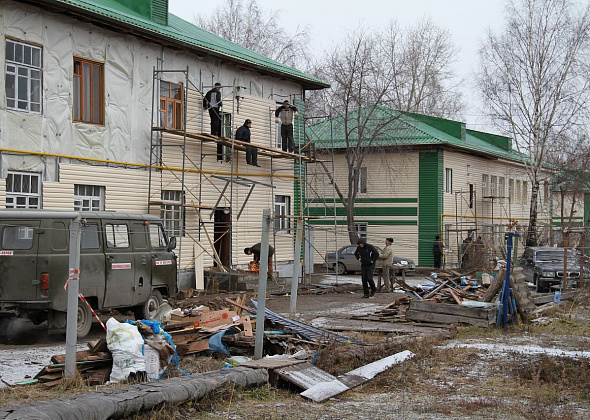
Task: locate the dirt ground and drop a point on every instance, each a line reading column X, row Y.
column 535, row 371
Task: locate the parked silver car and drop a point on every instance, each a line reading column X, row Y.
column 347, row 263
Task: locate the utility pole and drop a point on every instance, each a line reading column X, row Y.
column 73, row 288
column 260, row 311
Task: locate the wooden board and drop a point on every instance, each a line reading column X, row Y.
column 457, row 310
column 422, row 316
column 304, row 375
column 271, row 363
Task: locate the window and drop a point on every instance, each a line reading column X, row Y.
column 501, row 187
column 362, row 180
column 525, row 192
column 88, row 198
column 117, row 235
column 157, row 236
column 89, row 238
column 546, row 193
column 172, row 212
column 471, row 195
column 517, row 195
column 282, row 208
column 23, row 190
column 171, row 114
column 493, row 183
column 510, row 190
column 17, row 237
column 23, row 76
column 88, row 91
column 484, row 186
column 448, row 180
column 361, row 230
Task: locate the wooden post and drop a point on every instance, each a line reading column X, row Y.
column 565, row 245
column 258, row 343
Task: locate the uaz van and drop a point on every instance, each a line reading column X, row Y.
column 126, row 262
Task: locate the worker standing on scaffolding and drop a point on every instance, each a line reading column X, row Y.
column 285, row 114
column 243, row 134
column 212, row 102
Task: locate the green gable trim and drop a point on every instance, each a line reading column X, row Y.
column 430, row 205
column 408, row 200
column 369, row 222
column 365, row 211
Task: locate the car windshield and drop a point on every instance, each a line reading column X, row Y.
column 552, row 256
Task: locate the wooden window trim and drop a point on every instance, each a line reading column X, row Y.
column 83, row 95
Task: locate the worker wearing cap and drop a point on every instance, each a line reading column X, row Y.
column 386, row 259
column 367, row 255
column 285, row 115
column 243, row 134
column 212, row 102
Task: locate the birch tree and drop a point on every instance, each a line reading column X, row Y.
column 534, row 80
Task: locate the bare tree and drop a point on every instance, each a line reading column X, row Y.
column 371, row 74
column 534, row 80
column 244, row 23
column 424, row 81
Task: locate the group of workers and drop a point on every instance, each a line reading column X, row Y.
column 284, row 114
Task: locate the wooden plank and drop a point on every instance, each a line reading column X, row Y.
column 457, row 298
column 304, row 375
column 413, row 315
column 451, row 309
column 324, row 390
column 271, row 363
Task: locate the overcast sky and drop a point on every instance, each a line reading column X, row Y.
column 329, row 21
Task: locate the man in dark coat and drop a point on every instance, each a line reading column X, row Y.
column 254, row 250
column 212, row 102
column 437, row 252
column 285, row 114
column 367, row 254
column 243, row 134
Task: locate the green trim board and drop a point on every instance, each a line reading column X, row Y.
column 408, row 200
column 371, row 222
column 430, row 203
column 365, row 211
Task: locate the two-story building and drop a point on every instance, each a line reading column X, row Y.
column 426, row 176
column 102, row 109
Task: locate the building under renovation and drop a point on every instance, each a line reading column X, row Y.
column 102, row 109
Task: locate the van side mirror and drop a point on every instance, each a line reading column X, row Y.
column 172, row 244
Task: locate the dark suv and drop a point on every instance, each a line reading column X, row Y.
column 543, row 266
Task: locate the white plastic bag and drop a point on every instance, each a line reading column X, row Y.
column 125, row 344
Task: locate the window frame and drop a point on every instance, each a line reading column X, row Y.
column 361, row 185
column 171, row 105
column 448, row 180
column 484, row 185
column 172, row 212
column 362, row 229
column 493, row 186
column 12, row 196
column 282, row 208
column 89, row 196
column 79, row 92
column 24, row 72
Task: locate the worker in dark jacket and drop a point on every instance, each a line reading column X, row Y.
column 367, row 254
column 243, row 134
column 254, row 250
column 212, row 102
column 285, row 115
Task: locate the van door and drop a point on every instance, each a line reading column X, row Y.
column 120, row 264
column 163, row 261
column 143, row 262
column 19, row 246
column 92, row 262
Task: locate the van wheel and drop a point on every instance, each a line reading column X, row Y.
column 150, row 306
column 84, row 321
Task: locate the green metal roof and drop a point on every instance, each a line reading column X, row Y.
column 177, row 31
column 408, row 129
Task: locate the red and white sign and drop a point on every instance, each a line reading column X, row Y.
column 6, row 253
column 163, row 262
column 121, row 266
